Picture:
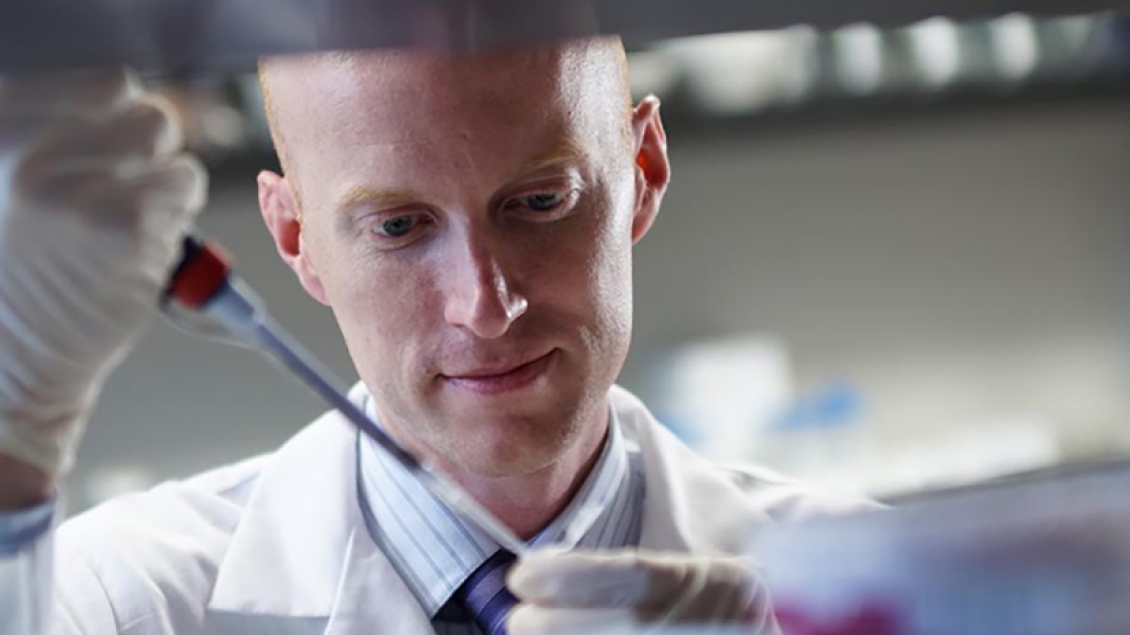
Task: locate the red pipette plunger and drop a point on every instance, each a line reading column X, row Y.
column 202, row 273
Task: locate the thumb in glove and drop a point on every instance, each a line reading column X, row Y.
column 579, row 591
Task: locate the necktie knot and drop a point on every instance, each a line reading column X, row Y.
column 485, row 595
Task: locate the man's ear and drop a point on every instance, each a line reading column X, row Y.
column 653, row 168
column 280, row 211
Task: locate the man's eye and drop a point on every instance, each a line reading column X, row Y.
column 544, row 202
column 399, row 226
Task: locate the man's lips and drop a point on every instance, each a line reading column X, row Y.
column 483, row 372
column 500, row 379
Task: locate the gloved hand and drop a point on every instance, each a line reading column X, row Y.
column 94, row 199
column 580, row 592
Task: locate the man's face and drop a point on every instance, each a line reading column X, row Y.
column 470, row 222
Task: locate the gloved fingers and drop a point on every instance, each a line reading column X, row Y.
column 719, row 589
column 48, row 452
column 176, row 194
column 529, row 619
column 147, row 129
column 67, row 93
column 714, row 599
column 177, row 186
column 655, row 587
column 102, row 196
column 580, row 579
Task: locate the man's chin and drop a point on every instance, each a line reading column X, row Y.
column 508, row 446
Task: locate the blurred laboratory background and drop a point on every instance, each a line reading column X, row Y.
column 891, row 260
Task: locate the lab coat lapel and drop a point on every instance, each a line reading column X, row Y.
column 301, row 561
column 690, row 505
column 374, row 600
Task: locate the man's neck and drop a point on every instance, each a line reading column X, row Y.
column 527, row 503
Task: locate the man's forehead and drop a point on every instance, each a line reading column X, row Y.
column 436, row 112
column 390, row 76
column 592, row 51
column 412, row 130
column 358, row 83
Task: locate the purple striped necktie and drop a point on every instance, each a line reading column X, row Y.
column 485, row 595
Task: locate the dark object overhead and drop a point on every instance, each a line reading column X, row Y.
column 228, row 35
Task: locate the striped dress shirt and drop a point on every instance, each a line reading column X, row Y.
column 435, row 551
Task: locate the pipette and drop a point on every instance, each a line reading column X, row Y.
column 204, row 283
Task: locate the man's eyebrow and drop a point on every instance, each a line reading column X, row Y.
column 567, row 151
column 364, row 195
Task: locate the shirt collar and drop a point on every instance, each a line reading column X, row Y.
column 434, row 550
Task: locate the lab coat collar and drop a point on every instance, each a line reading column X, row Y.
column 300, row 560
column 690, row 506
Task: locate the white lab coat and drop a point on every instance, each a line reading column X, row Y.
column 277, row 546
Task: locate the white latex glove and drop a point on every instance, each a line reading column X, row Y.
column 587, row 591
column 94, row 199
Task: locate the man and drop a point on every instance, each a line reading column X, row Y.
column 470, row 220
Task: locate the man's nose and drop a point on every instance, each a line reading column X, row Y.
column 482, row 297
